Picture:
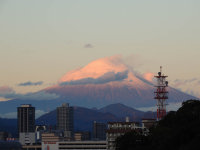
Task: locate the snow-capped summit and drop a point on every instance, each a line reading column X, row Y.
column 109, row 80
column 96, row 69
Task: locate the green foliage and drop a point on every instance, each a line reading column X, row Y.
column 177, row 131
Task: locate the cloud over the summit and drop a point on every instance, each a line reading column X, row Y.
column 29, row 83
column 8, row 93
column 107, row 77
column 180, row 82
column 12, row 115
column 42, row 95
column 186, row 85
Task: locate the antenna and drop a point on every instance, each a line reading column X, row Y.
column 161, row 94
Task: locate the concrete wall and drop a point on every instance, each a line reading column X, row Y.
column 27, row 138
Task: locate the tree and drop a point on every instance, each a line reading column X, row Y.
column 131, row 140
column 178, row 130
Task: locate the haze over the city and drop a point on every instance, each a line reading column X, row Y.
column 40, row 41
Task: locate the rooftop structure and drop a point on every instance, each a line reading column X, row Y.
column 75, row 145
column 116, row 129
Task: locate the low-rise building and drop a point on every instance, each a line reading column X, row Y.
column 27, row 138
column 148, row 123
column 31, row 147
column 116, row 129
column 10, row 145
column 3, row 136
column 39, row 129
column 82, row 136
column 75, row 145
column 52, row 137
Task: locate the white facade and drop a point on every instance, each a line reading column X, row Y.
column 75, row 145
column 28, row 138
column 116, row 129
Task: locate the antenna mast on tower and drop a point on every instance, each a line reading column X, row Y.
column 161, row 94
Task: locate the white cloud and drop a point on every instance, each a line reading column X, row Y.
column 9, row 115
column 170, row 107
column 29, row 83
column 190, row 86
column 107, row 77
column 12, row 115
column 7, row 93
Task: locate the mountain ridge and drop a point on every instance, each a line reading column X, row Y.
column 109, row 80
column 100, row 83
column 83, row 117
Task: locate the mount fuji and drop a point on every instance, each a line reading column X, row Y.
column 100, row 83
column 109, row 80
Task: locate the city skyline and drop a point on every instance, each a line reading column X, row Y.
column 106, row 74
column 42, row 40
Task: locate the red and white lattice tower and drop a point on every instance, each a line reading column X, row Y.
column 161, row 94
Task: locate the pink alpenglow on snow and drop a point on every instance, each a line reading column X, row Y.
column 96, row 69
column 109, row 80
column 149, row 76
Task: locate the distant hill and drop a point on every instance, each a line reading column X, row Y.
column 9, row 125
column 84, row 117
column 122, row 111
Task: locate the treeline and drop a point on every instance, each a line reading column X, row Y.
column 179, row 130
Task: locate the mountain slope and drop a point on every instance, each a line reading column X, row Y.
column 83, row 118
column 108, row 80
column 102, row 82
column 123, row 111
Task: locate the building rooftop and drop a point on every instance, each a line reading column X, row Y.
column 124, row 123
column 26, row 105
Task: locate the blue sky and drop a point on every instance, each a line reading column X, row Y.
column 42, row 40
